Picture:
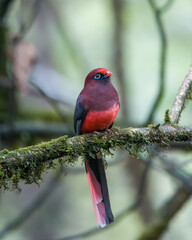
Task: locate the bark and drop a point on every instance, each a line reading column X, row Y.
column 28, row 164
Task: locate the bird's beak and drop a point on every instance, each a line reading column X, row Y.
column 108, row 74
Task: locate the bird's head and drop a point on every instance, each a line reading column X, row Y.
column 101, row 75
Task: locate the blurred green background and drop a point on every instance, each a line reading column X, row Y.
column 53, row 45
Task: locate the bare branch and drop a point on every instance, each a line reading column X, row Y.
column 52, row 102
column 181, row 97
column 178, row 173
column 163, row 54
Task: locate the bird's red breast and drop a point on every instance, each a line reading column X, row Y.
column 99, row 120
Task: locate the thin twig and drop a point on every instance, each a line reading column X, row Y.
column 174, row 169
column 52, row 102
column 177, row 172
column 181, row 97
column 163, row 55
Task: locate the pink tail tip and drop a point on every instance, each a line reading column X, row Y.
column 97, row 198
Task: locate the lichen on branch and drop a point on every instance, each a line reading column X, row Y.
column 28, row 164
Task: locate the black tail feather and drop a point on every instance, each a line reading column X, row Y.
column 97, row 166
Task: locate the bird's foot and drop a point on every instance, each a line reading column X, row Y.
column 109, row 130
column 96, row 132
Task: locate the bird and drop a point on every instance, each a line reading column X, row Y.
column 96, row 108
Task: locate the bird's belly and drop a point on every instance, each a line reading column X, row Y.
column 99, row 120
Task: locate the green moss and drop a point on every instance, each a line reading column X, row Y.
column 167, row 119
column 155, row 126
column 28, row 164
column 189, row 95
column 5, row 151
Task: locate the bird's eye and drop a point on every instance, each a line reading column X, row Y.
column 97, row 76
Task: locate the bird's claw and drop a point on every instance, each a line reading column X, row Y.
column 109, row 130
column 96, row 132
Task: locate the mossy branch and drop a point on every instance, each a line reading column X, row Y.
column 28, row 164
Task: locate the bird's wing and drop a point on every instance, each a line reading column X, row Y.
column 79, row 116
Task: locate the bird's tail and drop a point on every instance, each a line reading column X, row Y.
column 99, row 190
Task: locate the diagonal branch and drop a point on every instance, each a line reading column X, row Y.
column 52, row 102
column 183, row 94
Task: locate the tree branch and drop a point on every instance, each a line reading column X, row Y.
column 183, row 94
column 163, row 53
column 27, row 164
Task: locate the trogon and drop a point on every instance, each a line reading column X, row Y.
column 96, row 108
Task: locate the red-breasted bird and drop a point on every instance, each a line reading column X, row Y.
column 96, row 109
